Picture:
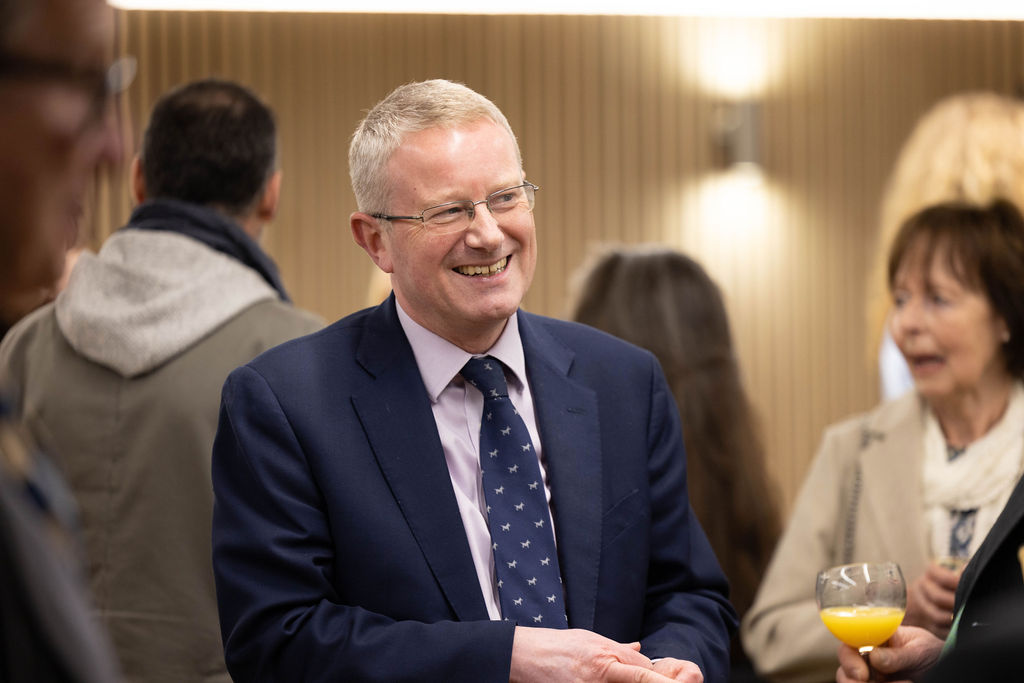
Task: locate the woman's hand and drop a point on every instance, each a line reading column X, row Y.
column 930, row 600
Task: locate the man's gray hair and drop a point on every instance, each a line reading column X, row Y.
column 408, row 109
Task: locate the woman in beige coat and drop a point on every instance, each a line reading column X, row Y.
column 921, row 479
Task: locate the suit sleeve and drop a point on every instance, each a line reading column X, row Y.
column 782, row 632
column 273, row 554
column 687, row 613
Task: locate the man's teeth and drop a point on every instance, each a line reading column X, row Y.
column 483, row 270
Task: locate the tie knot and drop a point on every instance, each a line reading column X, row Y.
column 488, row 375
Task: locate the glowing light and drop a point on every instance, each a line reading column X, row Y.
column 741, row 206
column 734, row 60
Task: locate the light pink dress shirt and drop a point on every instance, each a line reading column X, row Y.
column 457, row 413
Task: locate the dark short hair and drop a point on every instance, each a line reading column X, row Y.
column 984, row 250
column 210, row 142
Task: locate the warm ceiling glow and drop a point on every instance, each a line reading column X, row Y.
column 735, row 62
column 893, row 9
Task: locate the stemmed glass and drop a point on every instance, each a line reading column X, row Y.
column 862, row 604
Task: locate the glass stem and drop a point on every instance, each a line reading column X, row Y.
column 865, row 653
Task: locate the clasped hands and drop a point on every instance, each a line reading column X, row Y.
column 541, row 654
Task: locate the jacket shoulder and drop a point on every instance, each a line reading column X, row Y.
column 21, row 339
column 283, row 315
column 586, row 341
column 876, row 424
column 314, row 341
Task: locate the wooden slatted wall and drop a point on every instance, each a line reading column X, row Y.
column 615, row 120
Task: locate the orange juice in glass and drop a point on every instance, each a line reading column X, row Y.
column 862, row 604
column 862, row 626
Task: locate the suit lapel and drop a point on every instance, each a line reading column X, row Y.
column 395, row 412
column 567, row 420
column 1008, row 519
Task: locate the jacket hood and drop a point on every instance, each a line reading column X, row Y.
column 147, row 296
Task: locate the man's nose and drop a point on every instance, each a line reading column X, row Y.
column 484, row 232
column 111, row 136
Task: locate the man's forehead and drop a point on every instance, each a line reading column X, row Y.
column 456, row 129
column 80, row 31
column 434, row 144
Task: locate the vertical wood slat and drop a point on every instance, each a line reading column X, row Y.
column 614, row 123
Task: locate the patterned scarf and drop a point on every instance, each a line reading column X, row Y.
column 980, row 479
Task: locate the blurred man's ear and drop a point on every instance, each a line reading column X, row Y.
column 138, row 181
column 267, row 208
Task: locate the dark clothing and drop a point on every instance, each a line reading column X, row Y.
column 339, row 549
column 989, row 643
column 46, row 631
column 210, row 228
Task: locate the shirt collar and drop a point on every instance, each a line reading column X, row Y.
column 440, row 361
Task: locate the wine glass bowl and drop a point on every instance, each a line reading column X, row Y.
column 862, row 604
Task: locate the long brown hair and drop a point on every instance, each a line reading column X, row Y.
column 663, row 301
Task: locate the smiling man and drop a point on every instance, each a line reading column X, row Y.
column 445, row 487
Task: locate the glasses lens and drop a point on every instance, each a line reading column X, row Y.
column 114, row 81
column 121, row 74
column 519, row 198
column 457, row 216
column 450, row 217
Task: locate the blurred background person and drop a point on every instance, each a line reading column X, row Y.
column 924, row 477
column 984, row 643
column 120, row 377
column 665, row 302
column 968, row 147
column 58, row 80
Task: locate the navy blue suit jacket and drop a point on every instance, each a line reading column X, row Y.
column 338, row 547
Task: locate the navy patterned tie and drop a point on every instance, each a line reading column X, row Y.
column 525, row 561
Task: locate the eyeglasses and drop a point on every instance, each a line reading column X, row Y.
column 457, row 216
column 102, row 85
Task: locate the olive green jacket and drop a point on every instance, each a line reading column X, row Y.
column 128, row 408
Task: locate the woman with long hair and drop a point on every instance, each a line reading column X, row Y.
column 664, row 301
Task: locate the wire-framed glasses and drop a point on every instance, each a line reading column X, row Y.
column 101, row 84
column 450, row 217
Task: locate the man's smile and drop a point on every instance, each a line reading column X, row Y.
column 492, row 269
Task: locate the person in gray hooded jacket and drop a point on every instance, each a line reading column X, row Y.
column 120, row 377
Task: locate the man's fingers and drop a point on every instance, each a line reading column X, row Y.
column 679, row 670
column 627, row 654
column 626, row 673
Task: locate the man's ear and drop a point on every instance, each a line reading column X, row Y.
column 138, row 181
column 267, row 208
column 370, row 234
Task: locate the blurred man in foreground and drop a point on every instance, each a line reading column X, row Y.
column 57, row 127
